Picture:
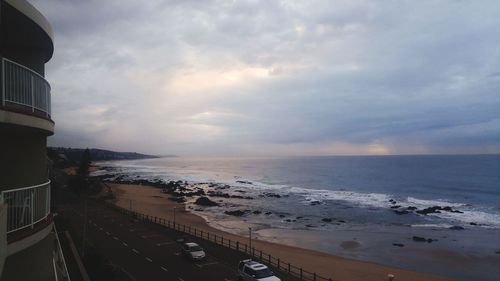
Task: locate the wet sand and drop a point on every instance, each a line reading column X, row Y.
column 150, row 201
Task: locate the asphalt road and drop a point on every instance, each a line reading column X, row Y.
column 147, row 252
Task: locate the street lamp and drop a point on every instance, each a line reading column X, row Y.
column 174, row 216
column 250, row 239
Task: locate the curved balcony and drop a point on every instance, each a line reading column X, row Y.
column 24, row 90
column 26, row 206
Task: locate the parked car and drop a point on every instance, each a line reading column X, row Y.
column 193, row 251
column 249, row 270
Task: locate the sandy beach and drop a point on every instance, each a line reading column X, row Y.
column 151, row 201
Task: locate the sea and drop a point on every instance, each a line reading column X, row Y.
column 374, row 204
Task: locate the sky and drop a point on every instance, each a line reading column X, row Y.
column 256, row 78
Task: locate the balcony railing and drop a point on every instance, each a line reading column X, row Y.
column 26, row 206
column 23, row 88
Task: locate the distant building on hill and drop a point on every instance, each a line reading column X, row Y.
column 29, row 248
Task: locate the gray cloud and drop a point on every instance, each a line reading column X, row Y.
column 276, row 77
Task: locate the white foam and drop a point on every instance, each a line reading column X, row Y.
column 432, row 225
column 379, row 200
column 429, row 203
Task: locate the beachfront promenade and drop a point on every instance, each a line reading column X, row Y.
column 148, row 251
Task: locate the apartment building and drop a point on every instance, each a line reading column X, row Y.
column 29, row 248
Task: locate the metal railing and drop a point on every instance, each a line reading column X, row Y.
column 23, row 87
column 26, row 206
column 256, row 254
column 58, row 261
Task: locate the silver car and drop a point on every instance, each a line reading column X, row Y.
column 193, row 251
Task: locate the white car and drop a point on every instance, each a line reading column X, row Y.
column 249, row 270
column 193, row 251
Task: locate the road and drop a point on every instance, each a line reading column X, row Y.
column 148, row 252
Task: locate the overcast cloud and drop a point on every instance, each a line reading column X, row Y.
column 276, row 77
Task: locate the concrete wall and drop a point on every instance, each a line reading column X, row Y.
column 25, row 34
column 3, row 236
column 23, row 160
column 29, row 241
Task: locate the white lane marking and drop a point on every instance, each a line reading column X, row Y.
column 164, row 269
column 135, row 251
column 100, row 228
column 164, row 243
column 149, row 260
column 107, row 233
column 128, row 274
column 125, row 244
column 95, row 224
column 180, row 279
column 116, row 238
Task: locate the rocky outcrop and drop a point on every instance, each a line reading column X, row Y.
column 437, row 209
column 177, row 199
column 236, row 213
column 422, row 239
column 204, row 201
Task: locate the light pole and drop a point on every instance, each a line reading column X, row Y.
column 250, row 239
column 84, row 226
column 174, row 216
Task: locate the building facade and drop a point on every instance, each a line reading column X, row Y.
column 26, row 44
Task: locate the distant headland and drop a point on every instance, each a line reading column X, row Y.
column 73, row 155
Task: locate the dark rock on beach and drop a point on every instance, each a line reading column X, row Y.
column 204, row 201
column 314, row 203
column 256, row 212
column 411, row 208
column 437, row 209
column 419, row 239
column 398, row 244
column 236, row 213
column 403, row 212
column 395, row 206
column 242, row 197
column 422, row 239
column 244, row 182
column 226, row 195
column 429, row 210
column 457, row 227
column 269, row 194
column 327, row 220
column 177, row 199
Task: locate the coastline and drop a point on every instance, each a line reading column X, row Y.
column 151, row 201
